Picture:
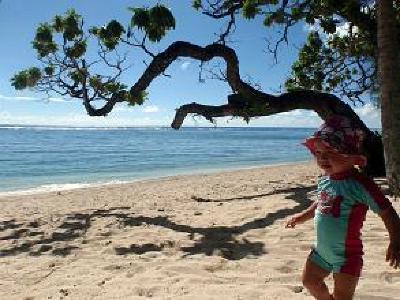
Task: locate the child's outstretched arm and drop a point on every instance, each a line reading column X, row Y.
column 302, row 217
column 392, row 224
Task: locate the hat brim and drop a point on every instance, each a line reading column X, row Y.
column 310, row 143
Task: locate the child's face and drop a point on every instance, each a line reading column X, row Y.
column 330, row 160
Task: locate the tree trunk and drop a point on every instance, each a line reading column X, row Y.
column 389, row 76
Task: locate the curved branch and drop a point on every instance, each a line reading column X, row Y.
column 222, row 10
column 176, row 50
column 322, row 103
column 207, row 111
column 185, row 49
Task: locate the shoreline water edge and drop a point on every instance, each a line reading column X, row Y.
column 58, row 187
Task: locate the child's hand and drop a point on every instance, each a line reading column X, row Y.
column 393, row 254
column 293, row 222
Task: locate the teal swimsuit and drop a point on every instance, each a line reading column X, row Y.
column 343, row 201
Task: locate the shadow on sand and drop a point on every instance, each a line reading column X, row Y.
column 35, row 239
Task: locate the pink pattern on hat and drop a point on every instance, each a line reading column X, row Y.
column 340, row 133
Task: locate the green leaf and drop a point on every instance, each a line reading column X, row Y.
column 115, row 29
column 160, row 16
column 49, row 70
column 329, row 25
column 78, row 76
column 27, row 78
column 268, row 20
column 44, row 33
column 279, row 16
column 71, row 24
column 43, row 41
column 250, row 9
column 196, row 4
column 77, row 50
column 110, row 35
column 137, row 99
column 140, row 18
column 58, row 23
column 155, row 21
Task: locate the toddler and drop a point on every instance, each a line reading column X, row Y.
column 344, row 196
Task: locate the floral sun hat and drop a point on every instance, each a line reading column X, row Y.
column 341, row 134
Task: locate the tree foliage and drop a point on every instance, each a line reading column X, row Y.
column 62, row 44
column 155, row 22
column 340, row 54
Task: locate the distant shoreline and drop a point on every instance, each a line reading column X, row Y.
column 48, row 188
column 45, row 126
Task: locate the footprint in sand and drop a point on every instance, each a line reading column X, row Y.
column 287, row 268
column 304, row 247
column 296, row 288
column 390, row 277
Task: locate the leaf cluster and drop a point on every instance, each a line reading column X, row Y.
column 26, row 78
column 155, row 22
column 110, row 34
column 43, row 42
column 61, row 45
column 345, row 65
column 70, row 27
column 307, row 71
column 137, row 98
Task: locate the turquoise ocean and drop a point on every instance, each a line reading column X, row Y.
column 53, row 158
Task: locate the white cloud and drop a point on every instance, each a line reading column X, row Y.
column 122, row 107
column 343, row 30
column 29, row 98
column 367, row 110
column 24, row 98
column 368, row 7
column 81, row 119
column 151, row 109
column 313, row 27
column 185, row 65
column 56, row 99
column 370, row 114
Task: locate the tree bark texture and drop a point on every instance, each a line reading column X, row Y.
column 389, row 76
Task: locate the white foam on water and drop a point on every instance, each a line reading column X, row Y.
column 71, row 128
column 47, row 188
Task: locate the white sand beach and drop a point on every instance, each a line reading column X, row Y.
column 211, row 236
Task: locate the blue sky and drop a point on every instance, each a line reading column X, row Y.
column 19, row 19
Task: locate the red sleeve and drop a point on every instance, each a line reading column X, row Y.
column 374, row 191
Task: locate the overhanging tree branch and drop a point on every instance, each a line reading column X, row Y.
column 322, row 103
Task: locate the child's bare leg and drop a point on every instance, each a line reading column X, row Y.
column 313, row 280
column 344, row 286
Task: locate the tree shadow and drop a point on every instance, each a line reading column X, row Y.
column 216, row 240
column 25, row 238
column 138, row 249
column 221, row 240
column 9, row 224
